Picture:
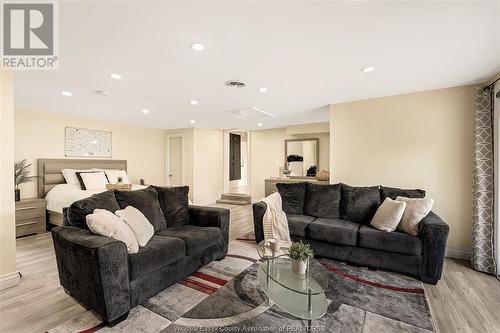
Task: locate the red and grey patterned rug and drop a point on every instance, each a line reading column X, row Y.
column 225, row 296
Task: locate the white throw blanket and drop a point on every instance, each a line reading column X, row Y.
column 275, row 222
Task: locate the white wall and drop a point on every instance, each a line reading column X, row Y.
column 208, row 166
column 422, row 140
column 41, row 135
column 8, row 275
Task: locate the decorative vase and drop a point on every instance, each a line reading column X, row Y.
column 299, row 267
column 17, row 193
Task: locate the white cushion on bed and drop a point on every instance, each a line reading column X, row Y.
column 94, row 180
column 138, row 223
column 113, row 175
column 70, row 175
column 105, row 223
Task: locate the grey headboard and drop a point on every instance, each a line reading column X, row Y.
column 49, row 170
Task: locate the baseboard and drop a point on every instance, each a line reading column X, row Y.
column 10, row 280
column 458, row 253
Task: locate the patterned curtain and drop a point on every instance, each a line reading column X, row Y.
column 483, row 184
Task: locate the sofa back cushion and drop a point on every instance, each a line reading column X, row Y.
column 77, row 212
column 359, row 204
column 146, row 201
column 393, row 193
column 174, row 203
column 292, row 196
column 323, row 200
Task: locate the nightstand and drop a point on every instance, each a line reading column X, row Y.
column 30, row 216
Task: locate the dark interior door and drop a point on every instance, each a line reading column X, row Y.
column 234, row 156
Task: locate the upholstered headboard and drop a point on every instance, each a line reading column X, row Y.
column 49, row 170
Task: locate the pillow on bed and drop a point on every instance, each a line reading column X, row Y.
column 70, row 175
column 113, row 175
column 92, row 180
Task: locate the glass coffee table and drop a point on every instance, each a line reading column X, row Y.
column 302, row 296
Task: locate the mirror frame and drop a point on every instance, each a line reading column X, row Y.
column 296, row 140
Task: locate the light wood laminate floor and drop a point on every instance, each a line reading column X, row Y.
column 463, row 301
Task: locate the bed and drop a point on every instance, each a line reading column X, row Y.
column 52, row 185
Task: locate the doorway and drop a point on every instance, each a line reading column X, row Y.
column 236, row 162
column 174, row 160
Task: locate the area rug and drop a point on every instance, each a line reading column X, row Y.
column 225, row 296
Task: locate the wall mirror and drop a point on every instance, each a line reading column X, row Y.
column 302, row 156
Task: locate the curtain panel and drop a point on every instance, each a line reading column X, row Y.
column 483, row 184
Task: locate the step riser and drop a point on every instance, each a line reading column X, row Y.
column 236, row 197
column 232, row 202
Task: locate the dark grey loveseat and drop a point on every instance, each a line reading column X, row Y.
column 335, row 220
column 99, row 272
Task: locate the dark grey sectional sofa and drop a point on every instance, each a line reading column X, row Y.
column 335, row 220
column 99, row 272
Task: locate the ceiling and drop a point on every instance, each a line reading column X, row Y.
column 308, row 55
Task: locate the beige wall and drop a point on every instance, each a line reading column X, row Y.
column 8, row 277
column 41, row 135
column 267, row 151
column 208, row 178
column 422, row 140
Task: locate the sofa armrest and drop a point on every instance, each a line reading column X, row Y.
column 259, row 209
column 211, row 217
column 433, row 232
column 94, row 270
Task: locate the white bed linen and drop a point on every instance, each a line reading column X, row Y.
column 63, row 195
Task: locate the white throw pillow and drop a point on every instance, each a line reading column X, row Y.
column 388, row 215
column 138, row 223
column 416, row 210
column 114, row 174
column 105, row 223
column 94, row 180
column 70, row 175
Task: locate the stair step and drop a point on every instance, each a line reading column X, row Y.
column 237, row 197
column 232, row 202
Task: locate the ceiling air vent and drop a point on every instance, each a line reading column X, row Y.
column 234, row 84
column 248, row 113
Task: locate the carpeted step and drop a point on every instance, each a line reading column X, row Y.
column 232, row 202
column 237, row 197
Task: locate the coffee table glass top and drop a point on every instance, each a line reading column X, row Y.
column 279, row 270
column 264, row 249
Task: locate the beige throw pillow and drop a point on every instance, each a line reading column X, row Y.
column 416, row 210
column 142, row 229
column 105, row 223
column 388, row 215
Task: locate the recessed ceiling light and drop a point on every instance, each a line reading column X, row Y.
column 115, row 76
column 194, row 102
column 367, row 69
column 192, row 121
column 66, row 93
column 197, row 46
column 262, row 89
column 145, row 111
column 102, row 92
column 260, row 124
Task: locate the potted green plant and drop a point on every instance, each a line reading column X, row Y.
column 300, row 253
column 22, row 175
column 119, row 180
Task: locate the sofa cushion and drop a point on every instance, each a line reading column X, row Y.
column 359, row 204
column 297, row 224
column 323, row 200
column 400, row 242
column 393, row 193
column 334, row 231
column 158, row 252
column 292, row 196
column 197, row 239
column 146, row 201
column 78, row 210
column 174, row 203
